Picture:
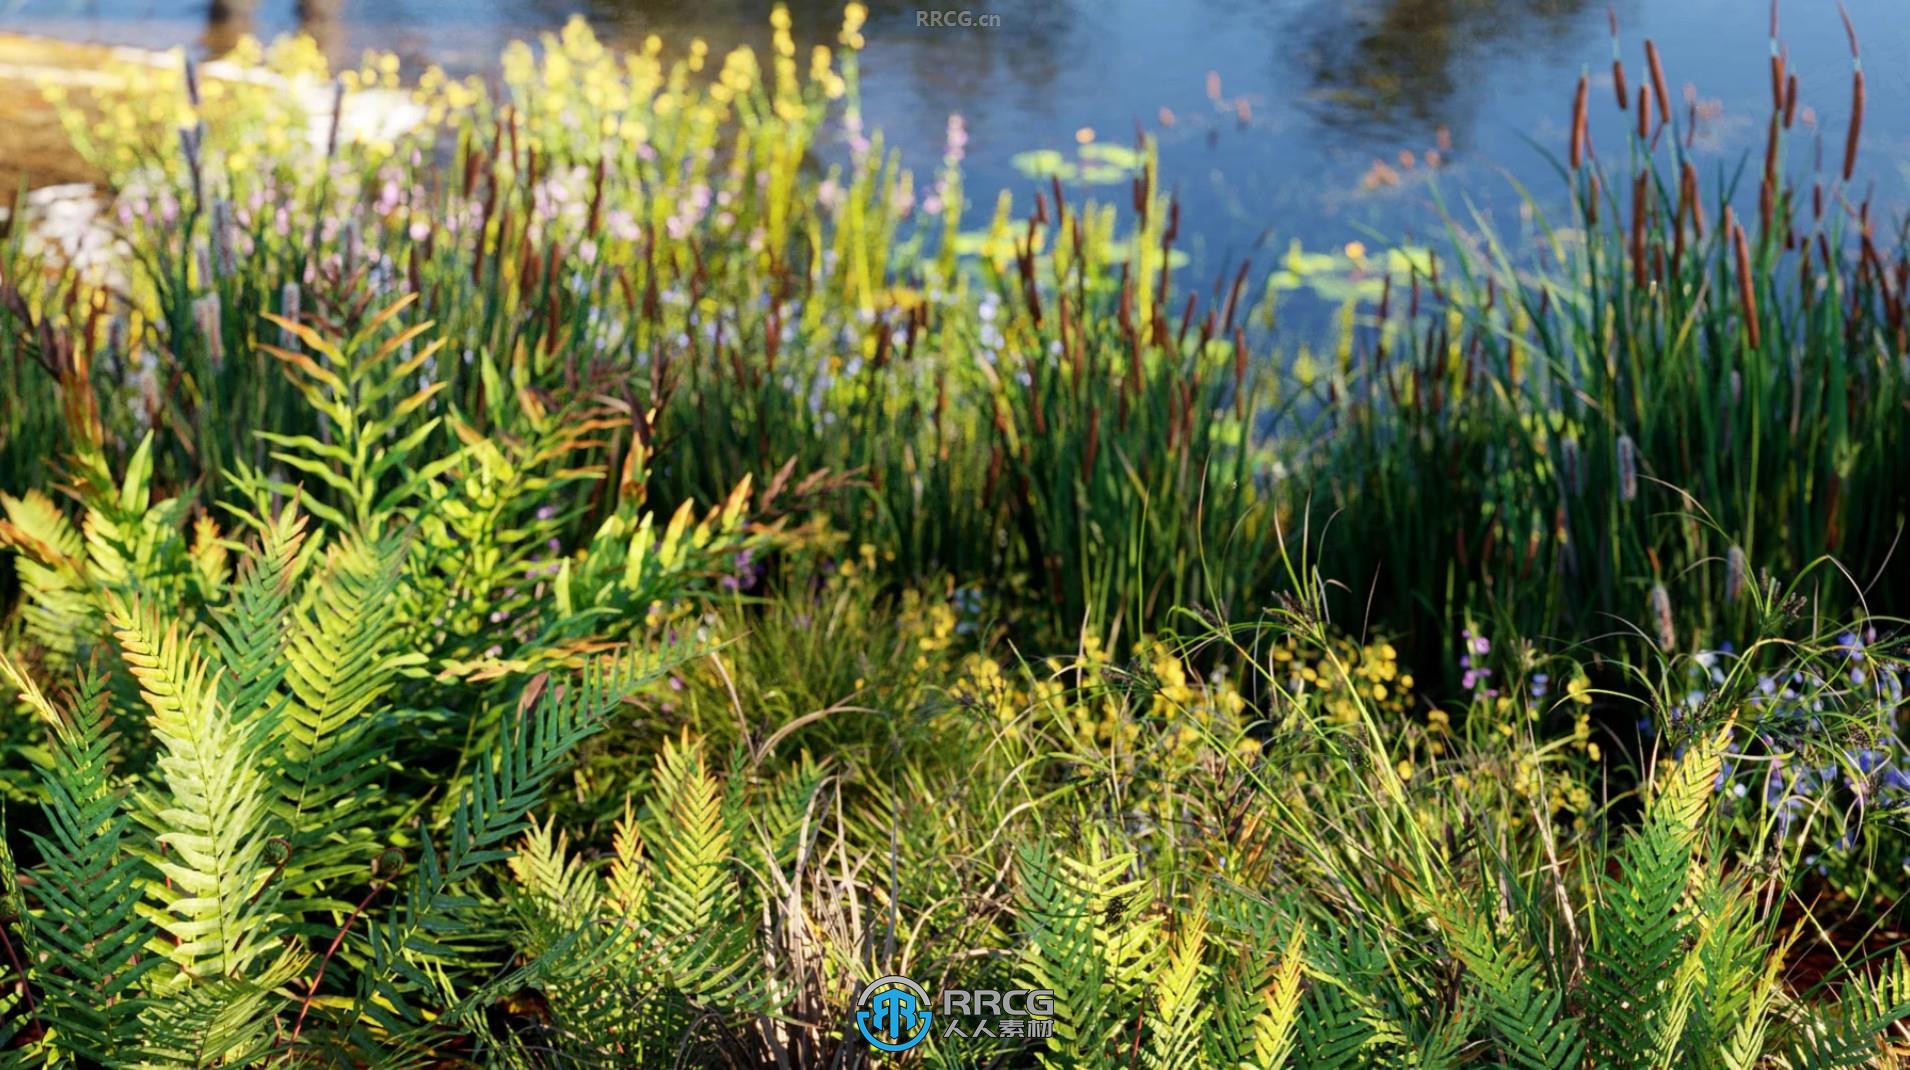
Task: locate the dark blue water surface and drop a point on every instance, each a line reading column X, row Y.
column 1278, row 120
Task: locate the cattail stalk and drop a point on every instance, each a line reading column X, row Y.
column 1618, row 64
column 1579, row 101
column 1736, row 573
column 1627, row 469
column 207, row 315
column 1747, row 291
column 289, row 297
column 1658, row 86
column 1661, row 617
column 1856, row 95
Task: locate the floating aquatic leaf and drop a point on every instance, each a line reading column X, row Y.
column 1103, row 175
column 1113, row 155
column 1303, row 263
column 1043, row 163
column 1339, row 288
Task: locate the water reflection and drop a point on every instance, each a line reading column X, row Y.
column 1409, row 65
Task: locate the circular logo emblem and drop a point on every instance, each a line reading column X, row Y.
column 893, row 1013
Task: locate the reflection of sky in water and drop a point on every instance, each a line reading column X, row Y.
column 1330, row 87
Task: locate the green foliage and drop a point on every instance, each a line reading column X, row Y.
column 607, row 601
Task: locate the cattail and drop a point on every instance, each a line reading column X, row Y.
column 1618, row 64
column 1777, row 77
column 1736, row 574
column 1658, row 81
column 1856, row 94
column 1093, row 445
column 206, row 314
column 1747, row 291
column 1644, row 114
column 189, row 147
column 1578, row 121
column 1639, row 187
column 1569, row 467
column 1627, row 469
column 337, row 119
column 1856, row 122
column 222, row 236
column 288, row 310
column 1661, row 617
column 1240, row 374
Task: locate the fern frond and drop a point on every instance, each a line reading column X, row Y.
column 1181, row 1010
column 1639, row 1003
column 339, row 666
column 1851, row 1033
column 1274, row 1027
column 694, row 895
column 57, row 606
column 81, row 916
column 564, row 890
column 249, row 629
column 433, row 921
column 224, row 1022
column 1526, row 1012
column 210, row 822
column 1086, row 941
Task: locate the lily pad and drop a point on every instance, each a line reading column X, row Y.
column 1043, row 163
column 1118, row 156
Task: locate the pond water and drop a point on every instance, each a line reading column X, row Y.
column 1278, row 120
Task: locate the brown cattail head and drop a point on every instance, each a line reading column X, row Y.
column 1777, row 77
column 1689, row 178
column 1661, row 618
column 1856, row 93
column 1747, row 290
column 1658, row 87
column 1856, row 122
column 1618, row 64
column 1578, row 121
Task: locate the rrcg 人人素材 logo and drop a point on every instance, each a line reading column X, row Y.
column 894, row 1014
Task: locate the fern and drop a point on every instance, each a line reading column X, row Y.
column 339, row 668
column 1640, row 993
column 58, row 611
column 1181, row 1010
column 1087, row 940
column 434, row 923
column 1526, row 1013
column 1275, row 1027
column 1850, row 1033
column 356, row 387
column 81, row 916
column 210, row 836
column 228, row 1021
